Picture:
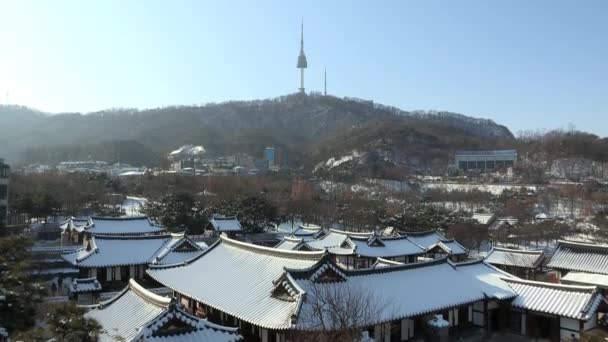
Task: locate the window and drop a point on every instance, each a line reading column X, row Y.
column 3, row 191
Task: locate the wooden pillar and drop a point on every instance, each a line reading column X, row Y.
column 387, row 332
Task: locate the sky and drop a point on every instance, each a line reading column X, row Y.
column 526, row 64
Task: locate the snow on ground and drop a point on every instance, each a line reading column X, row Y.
column 132, row 205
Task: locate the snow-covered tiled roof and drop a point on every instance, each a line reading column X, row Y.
column 123, row 226
column 85, row 285
column 583, row 278
column 450, row 247
column 75, row 224
column 309, row 230
column 386, row 247
column 578, row 302
column 515, row 257
column 178, row 250
column 431, row 239
column 426, row 239
column 176, row 325
column 238, row 279
column 429, row 287
column 483, row 218
column 582, row 257
column 225, row 224
column 490, row 278
column 109, row 251
column 334, row 241
column 289, row 243
column 124, row 314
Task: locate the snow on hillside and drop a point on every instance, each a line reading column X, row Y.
column 495, row 189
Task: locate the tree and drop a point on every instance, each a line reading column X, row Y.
column 18, row 294
column 339, row 313
column 67, row 323
column 178, row 212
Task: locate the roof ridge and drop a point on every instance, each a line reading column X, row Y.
column 503, row 249
column 131, row 237
column 566, row 287
column 418, row 232
column 272, row 251
column 581, row 244
column 483, row 262
column 122, row 218
column 394, row 268
column 148, row 295
column 351, row 233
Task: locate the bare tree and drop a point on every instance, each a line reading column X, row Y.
column 339, row 312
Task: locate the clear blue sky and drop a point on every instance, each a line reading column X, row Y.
column 525, row 64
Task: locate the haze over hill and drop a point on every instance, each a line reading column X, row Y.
column 309, row 128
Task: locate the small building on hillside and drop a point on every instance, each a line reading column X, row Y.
column 581, row 263
column 522, row 263
column 485, row 160
column 138, row 315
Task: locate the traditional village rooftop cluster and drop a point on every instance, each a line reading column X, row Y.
column 170, row 286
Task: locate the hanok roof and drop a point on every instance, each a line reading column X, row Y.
column 336, row 242
column 225, row 224
column 432, row 238
column 289, row 243
column 310, row 230
column 578, row 302
column 483, row 218
column 431, row 286
column 178, row 250
column 85, row 285
column 124, row 226
column 386, row 247
column 583, row 278
column 176, row 325
column 242, row 280
column 450, row 247
column 515, row 257
column 582, row 257
column 491, row 278
column 74, row 224
column 109, row 251
column 123, row 315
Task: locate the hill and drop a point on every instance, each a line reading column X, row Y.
column 308, row 128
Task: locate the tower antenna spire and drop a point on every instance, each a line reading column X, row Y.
column 302, row 63
column 302, row 37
